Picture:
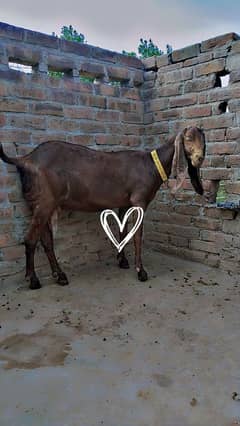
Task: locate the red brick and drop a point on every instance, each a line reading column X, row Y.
column 216, row 161
column 170, row 114
column 186, row 53
column 107, row 90
column 150, row 63
column 89, row 68
column 41, row 39
column 81, row 49
column 232, row 160
column 183, row 100
column 131, row 141
column 157, row 104
column 118, row 73
column 47, row 108
column 234, row 76
column 63, row 124
column 14, row 252
column 137, row 77
column 11, row 32
column 216, row 135
column 217, row 122
column 222, row 148
column 157, row 128
column 163, row 60
column 3, row 90
column 78, row 112
column 92, row 127
column 131, row 117
column 197, row 111
column 130, row 93
column 12, row 105
column 72, row 85
column 41, row 137
column 81, row 139
column 216, row 174
column 218, row 41
column 104, row 54
column 2, row 120
column 6, row 213
column 6, row 240
column 107, row 115
column 211, row 67
column 15, row 135
column 178, row 241
column 23, row 54
column 130, row 61
column 209, row 247
column 171, row 89
column 29, row 92
column 27, row 121
column 199, row 84
column 207, row 223
column 93, row 101
column 233, row 188
column 178, row 75
column 108, row 140
column 64, row 97
column 188, row 210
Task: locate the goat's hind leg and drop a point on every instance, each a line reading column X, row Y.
column 122, row 260
column 39, row 220
column 47, row 243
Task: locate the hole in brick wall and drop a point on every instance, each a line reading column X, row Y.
column 117, row 83
column 222, row 79
column 87, row 78
column 223, row 107
column 27, row 69
column 55, row 74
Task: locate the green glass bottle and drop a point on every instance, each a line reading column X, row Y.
column 221, row 193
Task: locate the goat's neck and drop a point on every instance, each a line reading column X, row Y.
column 165, row 154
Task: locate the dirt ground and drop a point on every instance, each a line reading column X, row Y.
column 109, row 350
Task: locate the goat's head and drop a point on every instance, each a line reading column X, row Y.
column 189, row 155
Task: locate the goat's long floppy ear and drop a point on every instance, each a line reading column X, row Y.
column 179, row 164
column 195, row 178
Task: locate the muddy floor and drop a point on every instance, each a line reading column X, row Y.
column 109, row 350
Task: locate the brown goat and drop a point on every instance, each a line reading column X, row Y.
column 59, row 174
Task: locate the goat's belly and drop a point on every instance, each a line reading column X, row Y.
column 96, row 203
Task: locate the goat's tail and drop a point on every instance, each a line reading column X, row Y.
column 7, row 159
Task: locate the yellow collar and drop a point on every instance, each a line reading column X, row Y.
column 159, row 165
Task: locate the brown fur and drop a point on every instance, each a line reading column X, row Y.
column 62, row 175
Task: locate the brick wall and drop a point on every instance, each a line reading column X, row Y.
column 184, row 89
column 105, row 114
column 130, row 104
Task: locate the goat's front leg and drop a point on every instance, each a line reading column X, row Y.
column 122, row 260
column 142, row 274
column 47, row 243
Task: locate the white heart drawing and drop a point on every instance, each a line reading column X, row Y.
column 103, row 218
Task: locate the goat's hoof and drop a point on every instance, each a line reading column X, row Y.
column 123, row 263
column 62, row 279
column 142, row 275
column 34, row 283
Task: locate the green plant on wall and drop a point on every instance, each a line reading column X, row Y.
column 147, row 48
column 70, row 34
